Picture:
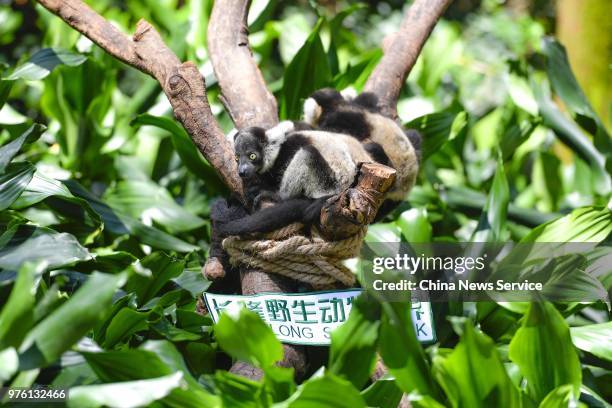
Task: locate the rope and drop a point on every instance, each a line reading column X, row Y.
column 290, row 253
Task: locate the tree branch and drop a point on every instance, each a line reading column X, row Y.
column 243, row 88
column 249, row 102
column 401, row 51
column 182, row 82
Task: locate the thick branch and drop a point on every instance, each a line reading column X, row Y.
column 249, row 103
column 244, row 91
column 347, row 213
column 182, row 83
column 401, row 51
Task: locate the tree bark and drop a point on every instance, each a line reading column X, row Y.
column 401, row 51
column 348, row 212
column 181, row 82
column 244, row 91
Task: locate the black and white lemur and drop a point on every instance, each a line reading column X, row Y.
column 300, row 168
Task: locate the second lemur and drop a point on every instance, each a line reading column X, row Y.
column 384, row 140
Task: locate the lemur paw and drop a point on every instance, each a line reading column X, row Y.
column 265, row 197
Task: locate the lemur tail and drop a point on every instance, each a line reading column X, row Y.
column 304, row 210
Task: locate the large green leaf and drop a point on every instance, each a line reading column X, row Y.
column 168, row 330
column 42, row 187
column 352, row 352
column 184, row 146
column 57, row 196
column 570, row 134
column 130, row 393
column 5, row 90
column 123, row 224
column 588, row 224
column 25, row 243
column 423, row 401
column 79, row 99
column 51, row 337
column 357, row 74
column 473, row 374
column 127, row 365
column 9, row 150
column 44, row 61
column 382, row 393
column 13, row 182
column 279, row 382
column 438, row 128
column 515, row 134
column 547, row 182
column 124, row 324
column 492, row 222
column 567, row 279
column 308, row 71
column 566, row 86
column 191, row 279
column 323, row 392
column 414, row 225
column 17, row 316
column 162, row 268
column 464, row 198
column 401, row 351
column 542, row 349
column 146, row 199
column 152, row 360
column 238, row 391
column 243, row 335
column 594, row 338
column 562, row 396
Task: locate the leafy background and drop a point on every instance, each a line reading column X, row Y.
column 105, row 226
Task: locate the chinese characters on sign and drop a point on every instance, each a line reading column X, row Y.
column 309, row 318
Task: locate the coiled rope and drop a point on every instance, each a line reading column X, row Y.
column 289, row 252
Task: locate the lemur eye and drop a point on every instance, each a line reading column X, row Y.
column 252, row 156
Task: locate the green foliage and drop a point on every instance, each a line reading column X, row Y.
column 545, row 364
column 473, row 374
column 104, row 215
column 43, row 62
column 308, row 71
column 353, row 351
column 245, row 337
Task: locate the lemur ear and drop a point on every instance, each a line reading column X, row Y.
column 349, row 93
column 312, row 112
column 278, row 133
column 231, row 137
column 327, row 98
column 323, row 100
column 367, row 100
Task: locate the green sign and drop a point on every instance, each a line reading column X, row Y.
column 309, row 318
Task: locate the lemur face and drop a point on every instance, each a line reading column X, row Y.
column 248, row 146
